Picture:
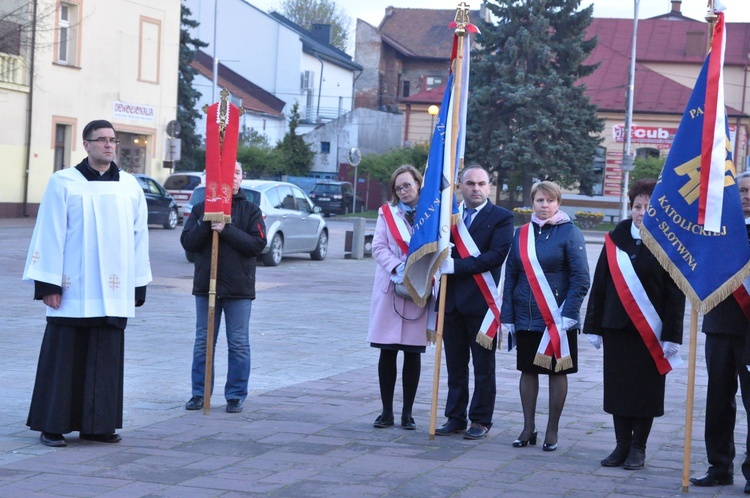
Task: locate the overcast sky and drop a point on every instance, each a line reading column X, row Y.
column 373, row 11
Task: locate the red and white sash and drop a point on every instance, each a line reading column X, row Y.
column 553, row 342
column 397, row 227
column 466, row 247
column 742, row 295
column 638, row 305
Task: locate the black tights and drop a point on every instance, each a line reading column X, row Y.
column 387, row 372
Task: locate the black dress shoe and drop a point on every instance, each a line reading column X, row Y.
column 713, row 479
column 52, row 440
column 195, row 403
column 452, row 426
column 476, row 431
column 747, row 488
column 408, row 423
column 549, row 446
column 521, row 443
column 102, row 438
column 382, row 422
column 234, row 406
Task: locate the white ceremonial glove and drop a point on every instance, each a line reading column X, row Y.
column 398, row 277
column 568, row 323
column 400, row 270
column 671, row 349
column 447, row 266
column 595, row 340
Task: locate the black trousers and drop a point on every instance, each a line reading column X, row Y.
column 725, row 363
column 459, row 338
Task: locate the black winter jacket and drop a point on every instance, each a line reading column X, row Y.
column 240, row 243
column 727, row 317
column 605, row 309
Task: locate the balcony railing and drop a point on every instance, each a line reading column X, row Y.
column 12, row 69
column 324, row 114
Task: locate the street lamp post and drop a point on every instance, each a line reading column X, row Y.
column 432, row 111
column 627, row 160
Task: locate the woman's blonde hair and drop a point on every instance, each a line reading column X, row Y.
column 549, row 188
column 405, row 168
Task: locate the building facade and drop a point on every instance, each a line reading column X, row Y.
column 77, row 61
column 293, row 64
column 670, row 52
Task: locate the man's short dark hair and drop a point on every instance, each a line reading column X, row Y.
column 95, row 125
column 472, row 166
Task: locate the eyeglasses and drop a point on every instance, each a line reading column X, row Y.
column 403, row 188
column 104, row 140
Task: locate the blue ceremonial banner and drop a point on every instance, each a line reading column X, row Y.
column 707, row 265
column 430, row 242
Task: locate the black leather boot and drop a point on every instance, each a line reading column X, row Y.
column 618, row 456
column 636, row 457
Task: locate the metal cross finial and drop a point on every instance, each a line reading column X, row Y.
column 462, row 18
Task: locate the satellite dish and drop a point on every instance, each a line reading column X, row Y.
column 354, row 156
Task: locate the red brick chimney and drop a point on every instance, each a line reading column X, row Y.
column 676, row 4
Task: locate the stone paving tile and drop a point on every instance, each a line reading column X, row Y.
column 307, row 426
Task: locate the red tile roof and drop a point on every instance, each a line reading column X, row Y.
column 433, row 96
column 422, row 33
column 659, row 41
column 254, row 98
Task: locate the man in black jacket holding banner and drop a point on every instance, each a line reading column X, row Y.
column 726, row 329
column 240, row 243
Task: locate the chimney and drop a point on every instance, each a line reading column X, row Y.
column 676, row 4
column 322, row 33
column 389, row 11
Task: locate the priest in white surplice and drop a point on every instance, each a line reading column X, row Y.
column 89, row 262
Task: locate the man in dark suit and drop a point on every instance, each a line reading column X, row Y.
column 726, row 329
column 491, row 228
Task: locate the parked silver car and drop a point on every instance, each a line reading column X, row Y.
column 293, row 223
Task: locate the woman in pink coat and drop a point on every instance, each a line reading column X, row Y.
column 396, row 324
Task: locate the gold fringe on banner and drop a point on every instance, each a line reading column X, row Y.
column 714, row 298
column 213, row 217
column 431, row 336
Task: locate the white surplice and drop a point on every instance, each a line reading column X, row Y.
column 91, row 239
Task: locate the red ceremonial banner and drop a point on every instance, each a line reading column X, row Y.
column 222, row 135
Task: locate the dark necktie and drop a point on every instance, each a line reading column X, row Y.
column 468, row 212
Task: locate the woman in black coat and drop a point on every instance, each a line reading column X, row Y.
column 633, row 386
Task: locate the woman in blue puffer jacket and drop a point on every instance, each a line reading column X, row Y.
column 551, row 251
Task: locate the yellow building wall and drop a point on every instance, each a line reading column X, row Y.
column 126, row 51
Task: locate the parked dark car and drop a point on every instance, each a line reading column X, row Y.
column 180, row 186
column 162, row 209
column 293, row 222
column 336, row 198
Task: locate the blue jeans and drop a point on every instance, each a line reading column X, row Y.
column 237, row 325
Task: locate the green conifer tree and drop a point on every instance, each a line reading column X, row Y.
column 192, row 152
column 529, row 117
